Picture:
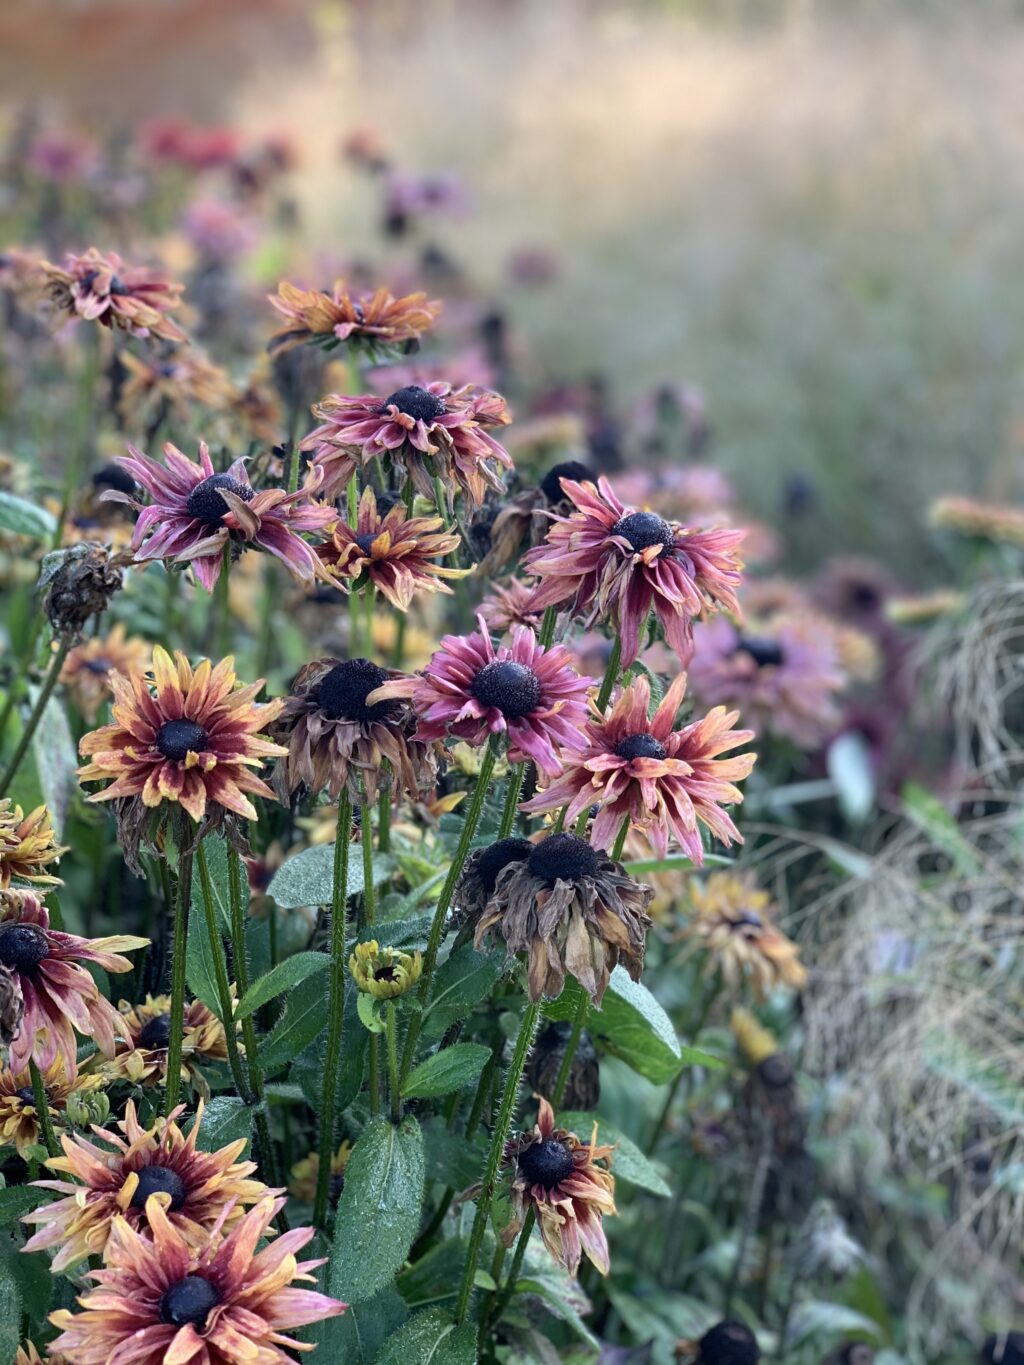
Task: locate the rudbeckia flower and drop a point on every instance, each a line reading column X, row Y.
column 733, row 920
column 28, row 845
column 373, row 319
column 100, row 287
column 87, row 669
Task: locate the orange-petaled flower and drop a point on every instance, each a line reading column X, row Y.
column 303, row 1176
column 511, row 604
column 396, row 552
column 100, row 287
column 157, row 387
column 88, row 667
column 373, row 319
column 28, row 845
column 19, row 1118
column 146, row 1028
column 162, row 1302
column 569, row 1187
column 981, row 520
column 198, row 1190
column 183, row 735
column 665, row 782
column 733, row 919
column 59, row 994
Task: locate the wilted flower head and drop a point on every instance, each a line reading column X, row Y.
column 734, row 921
column 436, row 431
column 58, row 992
column 141, row 1056
column 510, row 604
column 666, row 782
column 194, row 513
column 727, row 1343
column 163, row 1300
column 175, row 382
column 373, row 319
column 100, row 287
column 618, row 563
column 88, row 667
column 980, row 520
column 339, row 732
column 78, row 583
column 568, row 1186
column 12, row 1009
column 19, row 1118
column 568, row 908
column 527, row 512
column 583, row 1083
column 384, row 973
column 28, row 845
column 399, row 554
column 198, row 1190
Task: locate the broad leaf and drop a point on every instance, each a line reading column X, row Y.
column 430, row 1338
column 460, row 983
column 304, row 1018
column 631, row 1024
column 308, row 877
column 25, row 518
column 10, row 1297
column 18, row 1199
column 225, row 1119
column 284, row 977
column 446, row 1071
column 628, row 1161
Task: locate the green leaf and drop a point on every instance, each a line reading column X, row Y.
column 631, row 1024
column 18, row 1199
column 446, row 1071
column 225, row 1119
column 304, row 1019
column 930, row 816
column 430, row 1338
column 199, row 968
column 452, row 1158
column 460, row 983
column 54, row 752
column 308, row 877
column 25, row 518
column 368, row 1010
column 674, row 862
column 32, row 1280
column 360, row 1332
column 379, row 1210
column 10, row 1318
column 308, row 1068
column 628, row 1161
column 284, row 977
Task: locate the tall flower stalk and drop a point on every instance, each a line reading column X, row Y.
column 335, row 1004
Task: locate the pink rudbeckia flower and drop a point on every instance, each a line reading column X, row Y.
column 470, row 690
column 618, row 563
column 193, row 512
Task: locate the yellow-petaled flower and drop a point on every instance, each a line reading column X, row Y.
column 28, row 1354
column 384, row 973
column 19, row 1118
column 142, row 1057
column 28, row 846
column 370, row 318
column 982, row 520
column 754, row 1041
column 732, row 919
column 924, row 607
column 858, row 654
column 172, row 383
column 88, row 667
column 199, row 1190
column 303, row 1177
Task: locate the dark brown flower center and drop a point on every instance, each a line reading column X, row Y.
column 365, row 542
column 776, row 1071
column 117, row 286
column 511, row 688
column 644, row 529
column 189, row 1301
column 640, row 746
column 22, row 947
column 179, row 738
column 159, row 1180
column 101, row 667
column 342, row 693
column 748, row 919
column 546, row 1163
column 415, row 402
column 765, row 652
column 26, row 1094
column 156, row 1035
column 562, row 856
column 729, row 1343
column 113, row 476
column 568, row 469
column 205, row 502
column 498, row 856
column 385, row 973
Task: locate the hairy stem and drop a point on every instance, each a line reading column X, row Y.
column 336, row 1004
column 182, row 903
column 32, row 724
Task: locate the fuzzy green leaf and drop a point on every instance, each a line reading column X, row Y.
column 628, row 1161
column 446, row 1071
column 308, row 877
column 631, row 1024
column 284, row 977
column 225, row 1119
column 430, row 1338
column 25, row 518
column 304, row 1018
column 460, row 983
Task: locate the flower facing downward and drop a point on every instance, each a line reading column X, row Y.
column 733, row 920
column 59, row 994
column 396, row 552
column 619, row 563
column 182, row 735
column 100, row 287
column 193, row 513
column 429, row 432
column 199, row 1190
column 162, row 1301
column 87, row 669
column 28, row 846
column 384, row 973
column 569, row 908
column 568, row 1186
column 665, row 782
column 470, row 690
column 370, row 319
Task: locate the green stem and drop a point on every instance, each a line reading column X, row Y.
column 366, row 840
column 373, row 1078
column 527, row 1030
column 572, row 1043
column 384, row 817
column 223, row 610
column 512, row 793
column 620, row 840
column 183, row 899
column 391, row 1033
column 498, row 1306
column 220, row 972
column 476, row 805
column 547, row 626
column 43, row 1109
column 17, row 682
column 32, row 724
column 336, row 1003
column 705, row 1009
column 611, row 675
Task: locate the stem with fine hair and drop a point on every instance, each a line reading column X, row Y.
column 223, row 613
column 42, row 1109
column 501, row 1298
column 32, row 724
column 527, row 1031
column 572, row 1043
column 182, row 904
column 611, row 675
column 512, row 794
column 366, row 831
column 220, row 973
column 391, row 1034
column 335, row 1005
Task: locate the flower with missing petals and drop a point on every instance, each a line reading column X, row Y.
column 665, row 782
column 398, row 553
column 527, row 512
column 19, row 1117
column 59, row 994
column 28, row 845
column 88, row 667
column 569, row 909
column 197, row 1190
column 141, row 1058
column 384, row 973
column 159, row 1300
column 617, row 563
column 175, row 383
column 733, row 920
column 101, row 288
column 568, row 1186
column 193, row 513
column 372, row 319
column 510, row 604
column 426, row 433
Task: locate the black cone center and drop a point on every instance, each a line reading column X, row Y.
column 568, row 469
column 492, row 860
column 365, row 542
column 159, row 1180
column 113, row 476
column 22, row 947
column 189, row 1301
column 729, row 1343
column 179, row 738
column 513, row 689
column 26, row 1094
column 764, row 651
column 564, row 856
column 640, row 746
column 342, row 693
column 644, row 529
column 546, row 1163
column 205, row 502
column 775, row 1071
column 415, row 402
column 157, row 1033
